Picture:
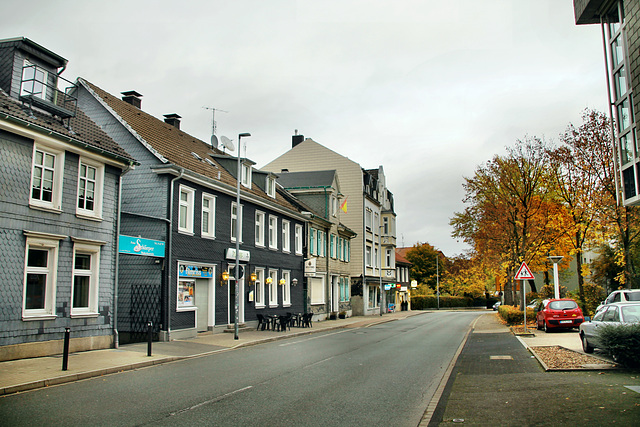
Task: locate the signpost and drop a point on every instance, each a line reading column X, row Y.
column 524, row 273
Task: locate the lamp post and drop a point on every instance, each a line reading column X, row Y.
column 438, row 281
column 380, row 264
column 238, row 217
column 556, row 284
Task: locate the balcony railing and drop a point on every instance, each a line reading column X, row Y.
column 36, row 90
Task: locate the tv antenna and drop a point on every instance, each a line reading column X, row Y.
column 214, row 138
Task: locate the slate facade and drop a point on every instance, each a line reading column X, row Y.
column 184, row 194
column 620, row 20
column 60, row 182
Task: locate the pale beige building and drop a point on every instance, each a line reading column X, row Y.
column 366, row 207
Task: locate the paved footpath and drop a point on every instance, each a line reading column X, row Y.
column 28, row 374
column 497, row 381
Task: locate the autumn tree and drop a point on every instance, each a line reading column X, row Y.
column 591, row 146
column 512, row 215
column 428, row 264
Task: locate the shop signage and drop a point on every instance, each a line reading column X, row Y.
column 310, row 267
column 186, row 270
column 244, row 256
column 139, row 246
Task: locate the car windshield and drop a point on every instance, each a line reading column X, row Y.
column 631, row 313
column 632, row 296
column 562, row 305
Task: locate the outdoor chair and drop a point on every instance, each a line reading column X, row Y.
column 262, row 322
column 306, row 320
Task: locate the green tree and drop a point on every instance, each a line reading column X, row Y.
column 428, row 264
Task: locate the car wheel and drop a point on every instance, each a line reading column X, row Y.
column 546, row 327
column 585, row 344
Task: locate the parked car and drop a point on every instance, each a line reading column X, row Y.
column 562, row 313
column 496, row 305
column 622, row 295
column 612, row 314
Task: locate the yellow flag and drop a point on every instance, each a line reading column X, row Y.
column 343, row 206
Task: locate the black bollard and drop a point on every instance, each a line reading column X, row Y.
column 149, row 337
column 65, row 351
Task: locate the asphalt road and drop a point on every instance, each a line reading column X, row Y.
column 381, row 375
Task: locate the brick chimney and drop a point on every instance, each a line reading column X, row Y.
column 173, row 119
column 132, row 97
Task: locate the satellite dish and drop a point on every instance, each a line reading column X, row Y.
column 214, row 141
column 227, row 143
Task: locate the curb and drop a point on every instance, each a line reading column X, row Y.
column 603, row 367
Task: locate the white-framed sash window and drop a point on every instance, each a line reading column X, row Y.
column 208, row 216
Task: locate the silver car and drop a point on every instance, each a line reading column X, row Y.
column 621, row 295
column 611, row 314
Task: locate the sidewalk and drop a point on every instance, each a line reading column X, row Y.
column 28, row 374
column 497, row 381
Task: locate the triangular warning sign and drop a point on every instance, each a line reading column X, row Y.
column 524, row 273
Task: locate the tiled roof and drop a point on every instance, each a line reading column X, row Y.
column 82, row 130
column 401, row 254
column 176, row 146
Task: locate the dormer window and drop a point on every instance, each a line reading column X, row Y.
column 246, row 175
column 271, row 187
column 34, row 80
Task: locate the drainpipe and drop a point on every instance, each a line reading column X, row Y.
column 116, row 336
column 168, row 254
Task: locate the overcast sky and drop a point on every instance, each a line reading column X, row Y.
column 428, row 89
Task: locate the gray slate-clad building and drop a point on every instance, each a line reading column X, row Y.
column 184, row 195
column 620, row 22
column 329, row 248
column 59, row 197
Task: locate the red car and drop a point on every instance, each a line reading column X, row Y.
column 562, row 313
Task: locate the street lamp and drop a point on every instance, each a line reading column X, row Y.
column 556, row 284
column 380, row 264
column 437, row 281
column 238, row 217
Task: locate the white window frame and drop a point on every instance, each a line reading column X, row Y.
column 332, row 245
column 235, row 217
column 186, row 209
column 259, row 229
column 259, row 288
column 286, row 236
column 367, row 252
column 98, row 182
column 56, row 182
column 271, row 186
column 91, row 310
column 388, row 258
column 298, row 235
column 312, row 241
column 368, row 219
column 340, row 251
column 317, row 290
column 245, row 171
column 286, row 288
column 273, row 232
column 273, row 288
column 334, row 205
column 49, row 243
column 211, row 211
column 27, row 87
column 320, row 242
column 373, row 296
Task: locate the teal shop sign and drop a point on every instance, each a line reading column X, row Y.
column 139, row 246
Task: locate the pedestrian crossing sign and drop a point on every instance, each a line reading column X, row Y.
column 524, row 273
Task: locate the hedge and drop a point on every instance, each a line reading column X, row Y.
column 425, row 302
column 513, row 315
column 622, row 342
